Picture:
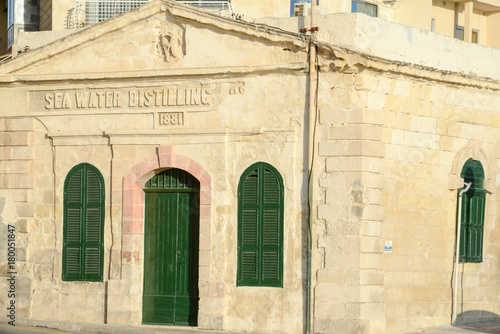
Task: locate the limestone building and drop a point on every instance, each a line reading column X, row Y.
column 154, row 170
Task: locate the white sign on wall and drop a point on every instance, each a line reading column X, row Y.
column 388, row 246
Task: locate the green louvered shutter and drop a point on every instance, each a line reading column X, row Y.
column 476, row 226
column 73, row 211
column 248, row 230
column 472, row 215
column 260, row 227
column 83, row 224
column 271, row 229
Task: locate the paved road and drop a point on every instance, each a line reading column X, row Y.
column 485, row 328
column 8, row 329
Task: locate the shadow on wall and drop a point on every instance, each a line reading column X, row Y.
column 479, row 321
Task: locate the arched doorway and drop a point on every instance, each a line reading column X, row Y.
column 171, row 247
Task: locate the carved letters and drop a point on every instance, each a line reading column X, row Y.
column 192, row 97
column 201, row 96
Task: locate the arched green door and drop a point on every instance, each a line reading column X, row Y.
column 171, row 236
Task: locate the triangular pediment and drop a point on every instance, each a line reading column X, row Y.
column 158, row 36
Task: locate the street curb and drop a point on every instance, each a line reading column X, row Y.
column 112, row 329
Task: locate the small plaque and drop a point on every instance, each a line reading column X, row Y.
column 388, row 246
column 171, row 119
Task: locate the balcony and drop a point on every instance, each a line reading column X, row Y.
column 89, row 12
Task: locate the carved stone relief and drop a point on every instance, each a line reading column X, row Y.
column 169, row 43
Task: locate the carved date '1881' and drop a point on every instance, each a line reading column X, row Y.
column 171, row 118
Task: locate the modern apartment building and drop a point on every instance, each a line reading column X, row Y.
column 471, row 21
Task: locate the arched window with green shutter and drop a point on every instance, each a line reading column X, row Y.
column 472, row 217
column 83, row 249
column 260, row 227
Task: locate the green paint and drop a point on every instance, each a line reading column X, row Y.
column 260, row 227
column 473, row 207
column 83, row 249
column 171, row 240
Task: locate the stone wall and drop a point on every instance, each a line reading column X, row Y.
column 17, row 154
column 392, row 148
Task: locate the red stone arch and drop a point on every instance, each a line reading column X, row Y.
column 133, row 208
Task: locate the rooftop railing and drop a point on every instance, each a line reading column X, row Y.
column 90, row 12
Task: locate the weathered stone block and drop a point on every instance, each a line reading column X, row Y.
column 384, row 85
column 215, row 305
column 323, row 292
column 25, row 209
column 374, row 212
column 337, row 326
column 375, row 325
column 340, row 260
column 366, row 82
column 329, row 212
column 329, row 310
column 120, row 303
column 204, row 258
column 41, row 255
column 115, row 317
column 14, row 139
column 371, row 228
column 376, row 100
column 369, row 260
column 16, row 153
column 22, row 225
column 204, row 273
column 332, row 115
column 13, row 167
column 19, row 124
column 16, row 181
column 372, row 310
column 374, row 116
column 334, row 196
column 21, row 254
column 334, row 276
column 353, row 164
column 366, row 148
column 332, row 149
column 423, row 124
column 118, row 287
column 210, row 321
column 371, row 277
column 336, row 181
column 353, row 132
column 401, row 88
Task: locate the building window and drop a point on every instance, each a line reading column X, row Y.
column 358, row 6
column 459, row 33
column 260, row 227
column 472, row 216
column 83, row 224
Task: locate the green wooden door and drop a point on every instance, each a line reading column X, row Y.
column 170, row 293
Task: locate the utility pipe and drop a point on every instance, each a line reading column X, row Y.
column 457, row 252
column 310, row 189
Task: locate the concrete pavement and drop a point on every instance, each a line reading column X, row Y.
column 480, row 328
column 80, row 327
column 36, row 326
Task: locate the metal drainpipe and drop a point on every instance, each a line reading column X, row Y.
column 459, row 223
column 312, row 120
